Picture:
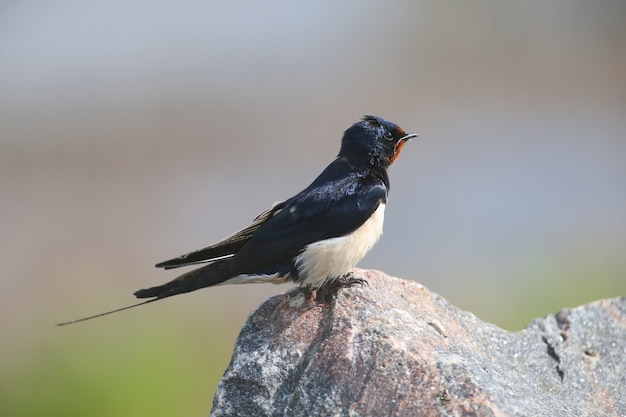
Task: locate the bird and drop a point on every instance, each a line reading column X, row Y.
column 313, row 239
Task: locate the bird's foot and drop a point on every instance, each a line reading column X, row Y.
column 348, row 280
column 330, row 289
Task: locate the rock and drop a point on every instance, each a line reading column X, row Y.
column 393, row 348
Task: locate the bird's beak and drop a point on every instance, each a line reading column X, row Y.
column 400, row 144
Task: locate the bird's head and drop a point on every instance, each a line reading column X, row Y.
column 373, row 141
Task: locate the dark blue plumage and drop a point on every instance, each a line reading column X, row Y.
column 314, row 237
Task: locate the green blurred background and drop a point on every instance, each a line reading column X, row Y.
column 131, row 132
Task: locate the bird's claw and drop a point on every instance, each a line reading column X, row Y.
column 350, row 280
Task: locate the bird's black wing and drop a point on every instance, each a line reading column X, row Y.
column 225, row 247
column 326, row 209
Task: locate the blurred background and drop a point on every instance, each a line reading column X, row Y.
column 132, row 132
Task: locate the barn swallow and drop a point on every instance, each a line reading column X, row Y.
column 314, row 238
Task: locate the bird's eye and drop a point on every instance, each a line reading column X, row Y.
column 388, row 135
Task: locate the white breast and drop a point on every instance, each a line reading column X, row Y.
column 331, row 258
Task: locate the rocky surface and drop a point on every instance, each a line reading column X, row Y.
column 393, row 348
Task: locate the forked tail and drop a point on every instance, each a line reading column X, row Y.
column 212, row 274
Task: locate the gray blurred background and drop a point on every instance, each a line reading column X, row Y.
column 132, row 132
